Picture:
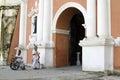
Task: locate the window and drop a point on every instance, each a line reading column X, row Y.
column 34, row 24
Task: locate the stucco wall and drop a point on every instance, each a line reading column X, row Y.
column 115, row 19
column 58, row 3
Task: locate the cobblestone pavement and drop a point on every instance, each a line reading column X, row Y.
column 66, row 73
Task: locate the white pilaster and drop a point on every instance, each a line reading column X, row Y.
column 40, row 21
column 47, row 21
column 103, row 18
column 23, row 18
column 91, row 18
column 22, row 29
column 45, row 49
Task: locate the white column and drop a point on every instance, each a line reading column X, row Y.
column 47, row 21
column 103, row 18
column 91, row 18
column 23, row 16
column 22, row 29
column 40, row 21
column 45, row 52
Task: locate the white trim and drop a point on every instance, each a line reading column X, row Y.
column 109, row 13
column 32, row 12
column 46, row 20
column 91, row 18
column 117, row 41
column 60, row 31
column 51, row 20
column 103, row 20
column 22, row 28
column 65, row 6
column 40, row 21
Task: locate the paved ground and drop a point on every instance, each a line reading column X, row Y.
column 66, row 73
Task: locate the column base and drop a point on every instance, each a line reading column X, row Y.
column 46, row 54
column 97, row 41
column 97, row 54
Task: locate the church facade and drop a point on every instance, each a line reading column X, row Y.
column 70, row 32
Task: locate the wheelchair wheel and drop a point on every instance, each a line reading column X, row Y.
column 14, row 66
column 22, row 66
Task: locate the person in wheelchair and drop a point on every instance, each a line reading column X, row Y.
column 18, row 57
column 17, row 62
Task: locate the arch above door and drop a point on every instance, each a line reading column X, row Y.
column 64, row 7
column 61, row 24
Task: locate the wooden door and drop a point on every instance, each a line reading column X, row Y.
column 61, row 50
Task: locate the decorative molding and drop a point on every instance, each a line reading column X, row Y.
column 22, row 1
column 10, row 13
column 9, row 7
column 60, row 31
column 96, row 41
column 32, row 41
column 40, row 44
column 117, row 41
column 68, row 5
column 21, row 47
column 84, row 25
column 34, row 10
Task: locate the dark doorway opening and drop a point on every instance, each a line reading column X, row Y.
column 77, row 33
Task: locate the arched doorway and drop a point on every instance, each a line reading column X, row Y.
column 69, row 31
column 77, row 33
